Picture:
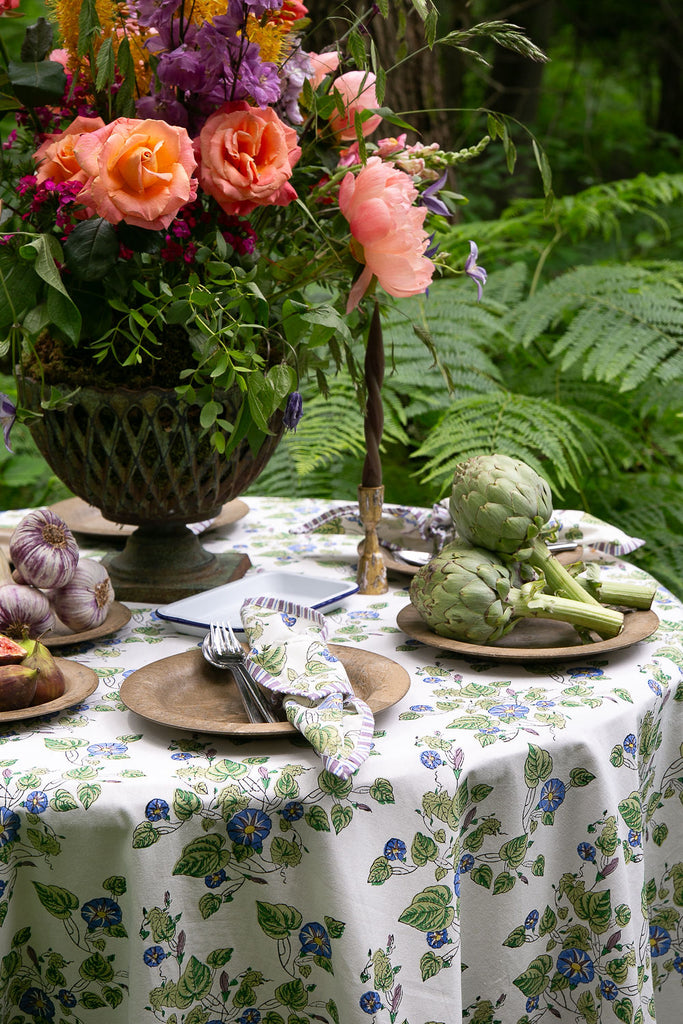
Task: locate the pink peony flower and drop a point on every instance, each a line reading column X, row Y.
column 55, row 159
column 138, row 171
column 357, row 91
column 246, row 157
column 323, row 64
column 378, row 204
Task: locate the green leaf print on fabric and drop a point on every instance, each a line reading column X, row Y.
column 430, row 910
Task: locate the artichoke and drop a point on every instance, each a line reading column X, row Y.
column 468, row 593
column 501, row 504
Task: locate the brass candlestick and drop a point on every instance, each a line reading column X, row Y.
column 372, row 572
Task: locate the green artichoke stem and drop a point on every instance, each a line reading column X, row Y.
column 624, row 592
column 558, row 580
column 606, row 622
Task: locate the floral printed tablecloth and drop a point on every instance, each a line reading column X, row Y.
column 510, row 853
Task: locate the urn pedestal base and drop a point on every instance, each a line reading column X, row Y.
column 165, row 562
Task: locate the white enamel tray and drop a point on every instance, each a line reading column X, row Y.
column 194, row 614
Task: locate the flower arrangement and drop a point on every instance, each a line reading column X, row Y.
column 191, row 197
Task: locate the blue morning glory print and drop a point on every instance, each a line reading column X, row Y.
column 395, row 849
column 466, row 862
column 552, row 795
column 509, row 710
column 531, row 920
column 36, row 802
column 630, row 744
column 157, row 809
column 314, row 939
column 37, row 1004
column 289, row 620
column 249, row 827
column 293, row 811
column 250, row 1016
column 66, row 998
column 586, row 851
column 437, row 939
column 608, row 990
column 154, row 955
column 107, row 749
column 101, row 913
column 370, row 1002
column 215, row 879
column 576, row 965
column 431, row 758
column 9, row 826
column 660, row 940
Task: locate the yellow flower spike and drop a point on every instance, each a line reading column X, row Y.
column 270, row 37
column 115, row 23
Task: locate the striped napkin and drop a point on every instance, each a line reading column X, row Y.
column 288, row 654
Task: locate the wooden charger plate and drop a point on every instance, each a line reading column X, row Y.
column 533, row 639
column 80, row 680
column 185, row 692
column 117, row 617
column 86, row 519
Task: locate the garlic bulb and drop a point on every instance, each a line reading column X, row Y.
column 84, row 602
column 43, row 549
column 24, row 612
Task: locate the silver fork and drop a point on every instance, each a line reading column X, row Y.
column 221, row 648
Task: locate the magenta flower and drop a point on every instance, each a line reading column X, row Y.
column 477, row 274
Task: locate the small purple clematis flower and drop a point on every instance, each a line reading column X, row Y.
column 429, row 198
column 8, row 414
column 477, row 274
column 294, row 411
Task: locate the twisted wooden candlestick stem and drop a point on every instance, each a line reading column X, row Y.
column 374, row 412
column 372, row 571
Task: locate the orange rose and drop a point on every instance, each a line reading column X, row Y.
column 246, row 156
column 55, row 158
column 138, row 171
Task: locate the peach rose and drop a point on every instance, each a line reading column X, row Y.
column 357, row 91
column 323, row 64
column 138, row 171
column 55, row 158
column 378, row 204
column 246, row 155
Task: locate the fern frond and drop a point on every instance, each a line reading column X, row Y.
column 557, row 442
column 620, row 323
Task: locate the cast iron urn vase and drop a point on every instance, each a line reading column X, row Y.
column 142, row 458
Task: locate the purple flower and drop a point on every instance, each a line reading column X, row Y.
column 8, row 414
column 294, row 411
column 477, row 274
column 429, row 199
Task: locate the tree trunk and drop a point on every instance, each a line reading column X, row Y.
column 515, row 80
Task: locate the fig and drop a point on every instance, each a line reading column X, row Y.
column 50, row 682
column 17, row 686
column 11, row 653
